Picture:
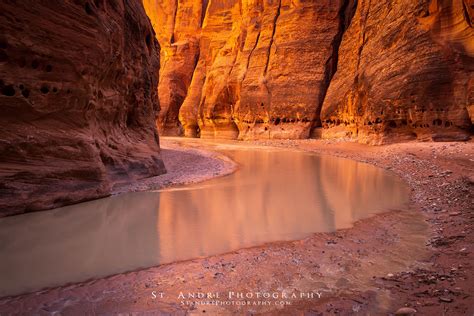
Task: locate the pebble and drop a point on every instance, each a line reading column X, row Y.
column 445, row 299
column 406, row 311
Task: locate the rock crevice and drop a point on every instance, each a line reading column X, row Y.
column 272, row 37
column 345, row 16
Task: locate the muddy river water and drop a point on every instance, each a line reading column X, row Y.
column 275, row 195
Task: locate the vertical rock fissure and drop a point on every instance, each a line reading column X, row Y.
column 466, row 13
column 250, row 55
column 277, row 15
column 204, row 6
column 356, row 83
column 196, row 62
column 345, row 16
column 172, row 39
column 363, row 29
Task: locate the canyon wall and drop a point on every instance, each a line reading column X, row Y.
column 177, row 25
column 261, row 69
column 373, row 71
column 78, row 82
column 405, row 71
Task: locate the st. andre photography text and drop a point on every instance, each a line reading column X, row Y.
column 238, row 298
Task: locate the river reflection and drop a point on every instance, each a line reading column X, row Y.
column 275, row 195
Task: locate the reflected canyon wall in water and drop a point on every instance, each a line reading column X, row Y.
column 275, row 196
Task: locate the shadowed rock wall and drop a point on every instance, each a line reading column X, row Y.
column 78, row 101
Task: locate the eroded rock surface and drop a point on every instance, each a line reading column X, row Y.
column 385, row 71
column 177, row 25
column 78, row 101
column 405, row 71
column 262, row 69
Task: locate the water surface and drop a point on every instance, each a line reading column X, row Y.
column 275, row 195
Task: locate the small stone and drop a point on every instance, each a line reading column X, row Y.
column 406, row 311
column 445, row 299
column 390, row 275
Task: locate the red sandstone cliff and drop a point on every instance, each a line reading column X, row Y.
column 267, row 68
column 405, row 71
column 177, row 26
column 78, row 101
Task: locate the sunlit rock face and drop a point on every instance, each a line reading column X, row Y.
column 245, row 69
column 78, row 101
column 385, row 71
column 405, row 71
column 177, row 25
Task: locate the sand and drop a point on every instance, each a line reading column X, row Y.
column 183, row 166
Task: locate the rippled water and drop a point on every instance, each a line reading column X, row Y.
column 275, row 195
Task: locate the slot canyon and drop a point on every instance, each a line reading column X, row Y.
column 373, row 71
column 313, row 156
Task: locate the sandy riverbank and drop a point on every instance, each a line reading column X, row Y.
column 183, row 166
column 419, row 257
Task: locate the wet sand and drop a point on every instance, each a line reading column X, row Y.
column 419, row 257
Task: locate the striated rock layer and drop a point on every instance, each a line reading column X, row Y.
column 261, row 70
column 77, row 103
column 248, row 69
column 405, row 71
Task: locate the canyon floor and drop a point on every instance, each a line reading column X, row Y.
column 420, row 257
